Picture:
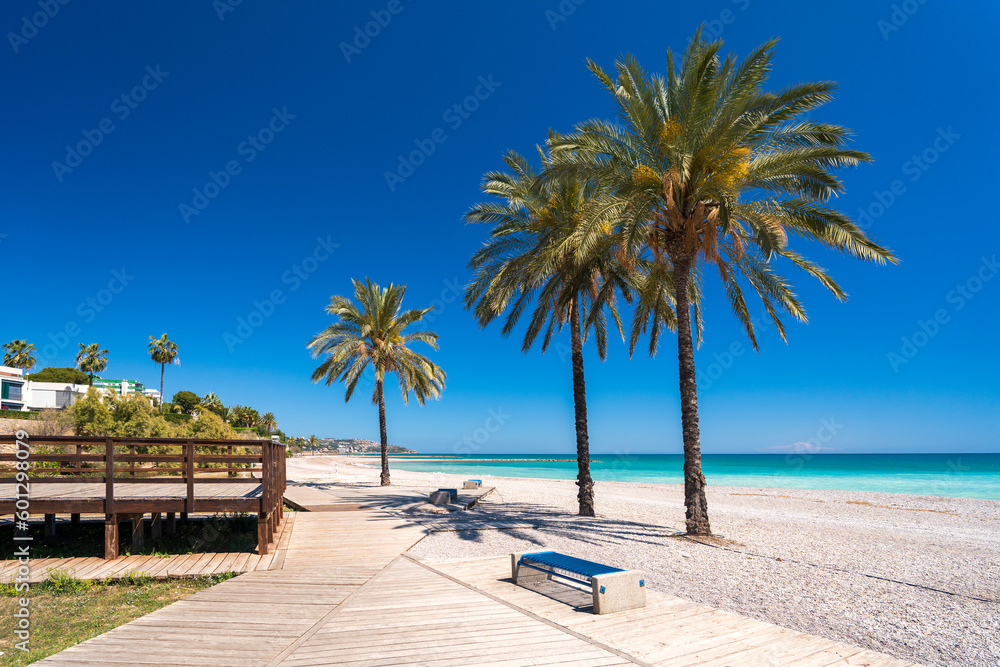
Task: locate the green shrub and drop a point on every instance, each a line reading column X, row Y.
column 16, row 414
column 176, row 418
column 64, row 582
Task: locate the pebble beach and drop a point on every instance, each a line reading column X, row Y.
column 917, row 577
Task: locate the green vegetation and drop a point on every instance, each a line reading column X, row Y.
column 375, row 334
column 16, row 414
column 91, row 359
column 53, row 374
column 703, row 168
column 67, row 611
column 19, row 354
column 187, row 401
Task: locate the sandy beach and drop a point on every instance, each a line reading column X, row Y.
column 912, row 576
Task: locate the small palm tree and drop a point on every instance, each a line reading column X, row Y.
column 268, row 422
column 91, row 359
column 539, row 251
column 707, row 168
column 374, row 332
column 19, row 354
column 211, row 400
column 163, row 352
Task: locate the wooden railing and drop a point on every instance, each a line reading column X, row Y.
column 194, row 463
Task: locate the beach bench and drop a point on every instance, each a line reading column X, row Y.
column 614, row 589
column 443, row 496
column 472, row 484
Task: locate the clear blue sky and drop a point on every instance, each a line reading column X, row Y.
column 923, row 85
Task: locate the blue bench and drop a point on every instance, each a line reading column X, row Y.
column 613, row 589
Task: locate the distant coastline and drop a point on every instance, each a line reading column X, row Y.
column 956, row 475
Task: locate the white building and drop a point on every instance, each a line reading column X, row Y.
column 23, row 395
column 12, row 389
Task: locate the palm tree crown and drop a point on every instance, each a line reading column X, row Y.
column 19, row 354
column 373, row 332
column 91, row 359
column 707, row 168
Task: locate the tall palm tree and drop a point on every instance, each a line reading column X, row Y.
column 539, row 251
column 268, row 421
column 163, row 352
column 19, row 354
column 373, row 331
column 91, row 359
column 708, row 168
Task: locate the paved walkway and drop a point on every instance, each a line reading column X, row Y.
column 347, row 594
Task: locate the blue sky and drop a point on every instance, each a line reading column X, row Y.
column 237, row 153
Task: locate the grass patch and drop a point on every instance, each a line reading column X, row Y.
column 66, row 611
column 229, row 533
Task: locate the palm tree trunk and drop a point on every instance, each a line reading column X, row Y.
column 161, row 387
column 385, row 439
column 694, row 479
column 585, row 494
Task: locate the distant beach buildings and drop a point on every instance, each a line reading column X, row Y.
column 20, row 394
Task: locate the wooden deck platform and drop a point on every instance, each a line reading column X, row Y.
column 156, row 567
column 346, row 593
column 126, row 478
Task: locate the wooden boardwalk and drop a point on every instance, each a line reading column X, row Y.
column 345, row 593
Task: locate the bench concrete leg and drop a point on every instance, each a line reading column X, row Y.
column 171, row 523
column 74, row 519
column 50, row 525
column 525, row 575
column 619, row 591
column 156, row 526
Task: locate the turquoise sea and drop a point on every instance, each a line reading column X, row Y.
column 953, row 475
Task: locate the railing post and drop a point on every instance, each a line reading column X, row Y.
column 230, row 463
column 79, row 461
column 110, row 518
column 189, row 462
column 109, row 476
column 263, row 516
column 131, row 463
